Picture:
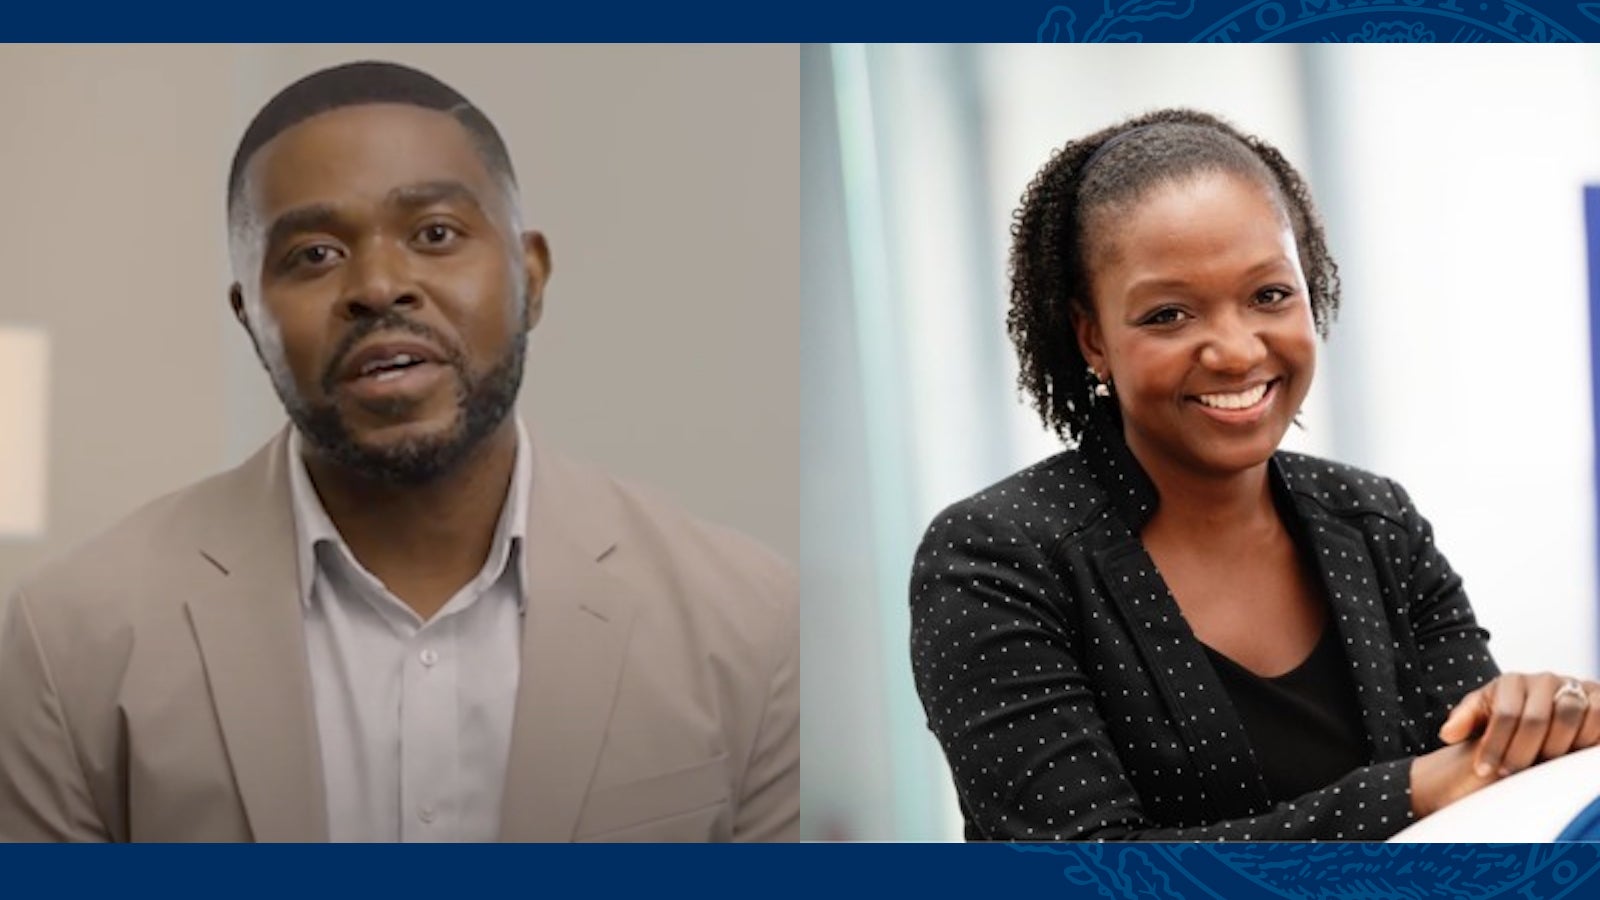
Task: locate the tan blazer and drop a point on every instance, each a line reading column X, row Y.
column 154, row 684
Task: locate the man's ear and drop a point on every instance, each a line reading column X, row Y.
column 236, row 303
column 1091, row 341
column 536, row 268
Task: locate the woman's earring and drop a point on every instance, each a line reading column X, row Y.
column 1102, row 387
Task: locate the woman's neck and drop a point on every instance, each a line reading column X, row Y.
column 1207, row 507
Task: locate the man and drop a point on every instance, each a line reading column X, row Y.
column 401, row 619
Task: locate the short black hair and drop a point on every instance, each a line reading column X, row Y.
column 359, row 83
column 1104, row 172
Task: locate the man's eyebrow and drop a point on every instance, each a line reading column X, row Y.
column 313, row 217
column 428, row 193
column 322, row 217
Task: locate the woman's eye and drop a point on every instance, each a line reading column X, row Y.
column 1273, row 295
column 1166, row 315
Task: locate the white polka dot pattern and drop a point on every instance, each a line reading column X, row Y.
column 1073, row 701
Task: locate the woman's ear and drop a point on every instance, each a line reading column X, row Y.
column 1090, row 341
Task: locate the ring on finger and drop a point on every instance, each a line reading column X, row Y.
column 1574, row 689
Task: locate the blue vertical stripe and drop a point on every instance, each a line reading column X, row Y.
column 1591, row 222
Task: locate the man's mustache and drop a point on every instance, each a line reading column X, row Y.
column 385, row 321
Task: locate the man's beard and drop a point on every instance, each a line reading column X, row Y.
column 482, row 403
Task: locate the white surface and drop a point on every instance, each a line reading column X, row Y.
column 24, row 362
column 1533, row 805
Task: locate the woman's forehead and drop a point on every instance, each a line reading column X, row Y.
column 1212, row 226
column 1203, row 209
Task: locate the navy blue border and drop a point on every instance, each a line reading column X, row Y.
column 1112, row 871
column 816, row 20
column 1236, row 872
column 1385, row 21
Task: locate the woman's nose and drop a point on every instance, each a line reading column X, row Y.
column 1233, row 346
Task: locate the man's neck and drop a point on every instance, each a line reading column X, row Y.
column 424, row 542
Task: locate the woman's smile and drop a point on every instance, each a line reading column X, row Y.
column 1241, row 407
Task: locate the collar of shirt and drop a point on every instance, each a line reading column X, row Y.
column 313, row 528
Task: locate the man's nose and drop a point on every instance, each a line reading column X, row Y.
column 377, row 278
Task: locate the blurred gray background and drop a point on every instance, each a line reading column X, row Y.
column 664, row 178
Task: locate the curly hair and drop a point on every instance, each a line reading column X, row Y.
column 1111, row 170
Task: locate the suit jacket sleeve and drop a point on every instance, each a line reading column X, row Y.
column 44, row 795
column 1017, row 716
column 769, row 798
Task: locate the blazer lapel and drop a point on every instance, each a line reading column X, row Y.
column 249, row 627
column 1197, row 703
column 574, row 642
column 1175, row 658
column 1351, row 582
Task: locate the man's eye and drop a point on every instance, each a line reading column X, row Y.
column 437, row 233
column 313, row 255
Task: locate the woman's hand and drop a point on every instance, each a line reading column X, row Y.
column 1524, row 719
column 1444, row 776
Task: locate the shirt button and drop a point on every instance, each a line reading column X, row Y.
column 429, row 657
column 425, row 814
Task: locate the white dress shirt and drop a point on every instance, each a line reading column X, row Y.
column 413, row 717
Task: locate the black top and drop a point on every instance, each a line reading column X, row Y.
column 1073, row 701
column 1304, row 725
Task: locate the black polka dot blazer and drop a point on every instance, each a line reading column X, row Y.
column 1073, row 701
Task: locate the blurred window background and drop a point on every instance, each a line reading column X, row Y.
column 1451, row 181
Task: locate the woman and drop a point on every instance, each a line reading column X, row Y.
column 1174, row 630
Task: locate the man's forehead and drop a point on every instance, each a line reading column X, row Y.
column 363, row 153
